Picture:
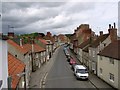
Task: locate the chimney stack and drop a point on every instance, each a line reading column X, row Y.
column 21, row 42
column 113, row 33
column 101, row 33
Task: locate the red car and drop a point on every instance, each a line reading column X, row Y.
column 72, row 61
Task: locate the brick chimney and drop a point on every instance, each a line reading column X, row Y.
column 113, row 32
column 11, row 34
column 49, row 34
column 101, row 33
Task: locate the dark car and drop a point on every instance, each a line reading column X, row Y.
column 68, row 58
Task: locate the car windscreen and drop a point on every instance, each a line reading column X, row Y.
column 82, row 71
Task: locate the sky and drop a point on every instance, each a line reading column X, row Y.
column 63, row 17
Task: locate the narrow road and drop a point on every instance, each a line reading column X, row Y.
column 61, row 75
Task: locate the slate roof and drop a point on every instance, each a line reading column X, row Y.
column 112, row 50
column 98, row 40
column 15, row 67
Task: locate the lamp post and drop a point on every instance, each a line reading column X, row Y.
column 1, row 82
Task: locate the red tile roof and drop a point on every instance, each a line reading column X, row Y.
column 15, row 67
column 43, row 41
column 21, row 49
column 112, row 50
column 36, row 47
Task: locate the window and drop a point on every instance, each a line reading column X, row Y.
column 111, row 60
column 93, row 66
column 101, row 70
column 93, row 53
column 37, row 55
column 111, row 76
column 104, row 44
column 89, row 52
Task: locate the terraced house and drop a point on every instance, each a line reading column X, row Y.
column 22, row 54
column 109, row 64
column 16, row 71
column 99, row 44
column 37, row 55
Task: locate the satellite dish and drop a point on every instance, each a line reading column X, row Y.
column 1, row 82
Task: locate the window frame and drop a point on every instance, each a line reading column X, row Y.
column 111, row 77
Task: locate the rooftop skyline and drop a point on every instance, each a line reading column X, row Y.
column 58, row 17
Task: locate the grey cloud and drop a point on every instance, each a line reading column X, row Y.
column 56, row 17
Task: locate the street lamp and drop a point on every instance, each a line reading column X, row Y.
column 1, row 82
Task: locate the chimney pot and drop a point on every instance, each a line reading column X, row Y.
column 109, row 26
column 101, row 33
column 114, row 25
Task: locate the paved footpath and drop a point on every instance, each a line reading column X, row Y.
column 38, row 77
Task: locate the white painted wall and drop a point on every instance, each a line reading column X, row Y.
column 3, row 63
column 107, row 68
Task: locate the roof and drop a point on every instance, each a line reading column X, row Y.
column 15, row 67
column 19, row 48
column 36, row 47
column 112, row 50
column 98, row 40
column 80, row 67
column 82, row 45
column 43, row 41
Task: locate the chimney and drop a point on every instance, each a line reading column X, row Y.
column 101, row 33
column 113, row 33
column 49, row 34
column 33, row 42
column 21, row 42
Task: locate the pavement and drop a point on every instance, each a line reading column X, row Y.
column 38, row 77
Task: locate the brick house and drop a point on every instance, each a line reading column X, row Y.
column 109, row 64
column 81, row 34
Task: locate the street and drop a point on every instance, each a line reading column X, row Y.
column 61, row 75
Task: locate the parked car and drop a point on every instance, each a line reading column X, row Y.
column 68, row 58
column 81, row 72
column 72, row 61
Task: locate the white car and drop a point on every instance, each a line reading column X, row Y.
column 81, row 72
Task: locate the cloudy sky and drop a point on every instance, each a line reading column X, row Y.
column 57, row 17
